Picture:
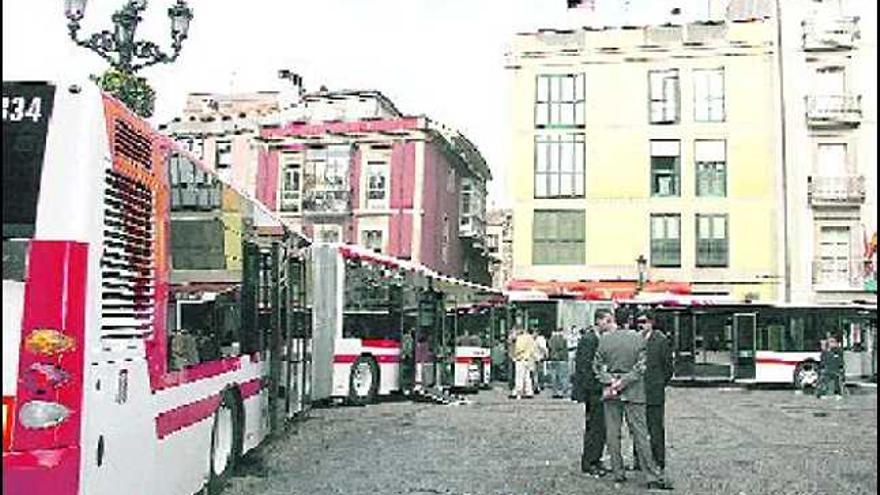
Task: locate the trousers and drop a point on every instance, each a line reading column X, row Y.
column 594, row 430
column 523, row 385
column 654, row 416
column 559, row 377
column 634, row 413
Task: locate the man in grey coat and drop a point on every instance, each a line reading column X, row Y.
column 620, row 364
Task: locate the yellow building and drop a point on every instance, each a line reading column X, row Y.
column 656, row 142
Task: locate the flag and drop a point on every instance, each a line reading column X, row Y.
column 582, row 4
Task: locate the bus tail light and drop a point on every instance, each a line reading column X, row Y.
column 47, row 341
column 8, row 408
column 38, row 414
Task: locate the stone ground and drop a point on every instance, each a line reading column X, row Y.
column 720, row 441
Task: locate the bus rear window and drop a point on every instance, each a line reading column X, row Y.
column 27, row 108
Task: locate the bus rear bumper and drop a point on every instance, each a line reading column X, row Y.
column 41, row 472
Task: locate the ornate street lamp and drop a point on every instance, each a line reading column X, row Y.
column 125, row 54
column 642, row 264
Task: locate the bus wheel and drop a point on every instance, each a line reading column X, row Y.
column 225, row 447
column 806, row 375
column 363, row 384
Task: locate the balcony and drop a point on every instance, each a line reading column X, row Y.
column 327, row 202
column 843, row 275
column 836, row 191
column 823, row 34
column 834, row 110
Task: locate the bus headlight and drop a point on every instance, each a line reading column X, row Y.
column 38, row 414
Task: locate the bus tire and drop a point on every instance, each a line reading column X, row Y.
column 225, row 442
column 806, row 375
column 363, row 381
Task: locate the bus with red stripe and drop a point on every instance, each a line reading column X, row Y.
column 156, row 322
column 477, row 328
column 383, row 326
column 763, row 342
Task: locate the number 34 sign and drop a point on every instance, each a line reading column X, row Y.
column 19, row 108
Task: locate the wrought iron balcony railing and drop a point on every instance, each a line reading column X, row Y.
column 847, row 189
column 840, row 274
column 327, row 202
column 829, row 110
column 838, row 33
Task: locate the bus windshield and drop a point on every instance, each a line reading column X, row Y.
column 26, row 110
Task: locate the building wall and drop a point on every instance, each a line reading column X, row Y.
column 440, row 208
column 618, row 201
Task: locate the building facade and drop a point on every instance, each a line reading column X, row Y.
column 829, row 50
column 348, row 167
column 655, row 143
column 499, row 243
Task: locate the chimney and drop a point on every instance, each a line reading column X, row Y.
column 292, row 94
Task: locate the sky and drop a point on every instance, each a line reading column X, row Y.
column 440, row 58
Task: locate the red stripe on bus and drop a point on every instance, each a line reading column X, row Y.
column 187, row 415
column 250, row 388
column 777, row 361
column 385, row 344
column 350, row 358
column 198, row 372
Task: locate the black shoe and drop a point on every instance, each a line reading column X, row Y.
column 659, row 485
column 634, row 467
column 595, row 471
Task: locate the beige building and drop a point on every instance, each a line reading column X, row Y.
column 499, row 242
column 656, row 143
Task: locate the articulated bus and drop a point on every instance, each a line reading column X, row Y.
column 155, row 321
column 478, row 326
column 767, row 343
column 379, row 325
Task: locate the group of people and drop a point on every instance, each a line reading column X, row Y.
column 535, row 361
column 622, row 373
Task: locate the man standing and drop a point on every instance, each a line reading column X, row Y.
column 557, row 363
column 658, row 374
column 620, row 365
column 832, row 370
column 588, row 390
column 524, row 355
column 538, row 371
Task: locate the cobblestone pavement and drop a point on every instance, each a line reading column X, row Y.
column 720, row 441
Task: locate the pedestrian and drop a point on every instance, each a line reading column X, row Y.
column 620, row 365
column 499, row 361
column 538, row 372
column 511, row 361
column 831, row 370
column 557, row 363
column 658, row 374
column 588, row 390
column 524, row 355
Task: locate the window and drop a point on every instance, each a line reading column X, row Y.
column 559, row 101
column 665, row 168
column 194, row 144
column 372, row 239
column 666, row 240
column 328, row 233
column 444, row 247
column 559, row 166
column 664, row 96
column 492, row 243
column 831, row 160
column 191, row 187
column 712, row 241
column 711, row 168
column 558, row 237
column 377, row 184
column 709, row 95
column 291, row 182
column 834, row 253
column 223, row 155
column 450, row 179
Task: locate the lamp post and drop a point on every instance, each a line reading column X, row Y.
column 642, row 264
column 126, row 55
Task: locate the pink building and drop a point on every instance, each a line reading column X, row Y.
column 349, row 167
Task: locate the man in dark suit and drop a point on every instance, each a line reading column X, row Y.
column 658, row 374
column 619, row 364
column 588, row 390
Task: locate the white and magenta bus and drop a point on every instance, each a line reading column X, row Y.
column 379, row 325
column 155, row 321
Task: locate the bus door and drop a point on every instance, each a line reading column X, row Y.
column 680, row 329
column 297, row 366
column 744, row 327
column 712, row 346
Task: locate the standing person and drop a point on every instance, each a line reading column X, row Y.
column 524, row 355
column 833, row 373
column 620, row 365
column 538, row 373
column 557, row 363
column 511, row 361
column 588, row 390
column 658, row 374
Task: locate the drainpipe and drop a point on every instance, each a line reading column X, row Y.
column 785, row 219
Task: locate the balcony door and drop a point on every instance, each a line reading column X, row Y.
column 834, row 254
